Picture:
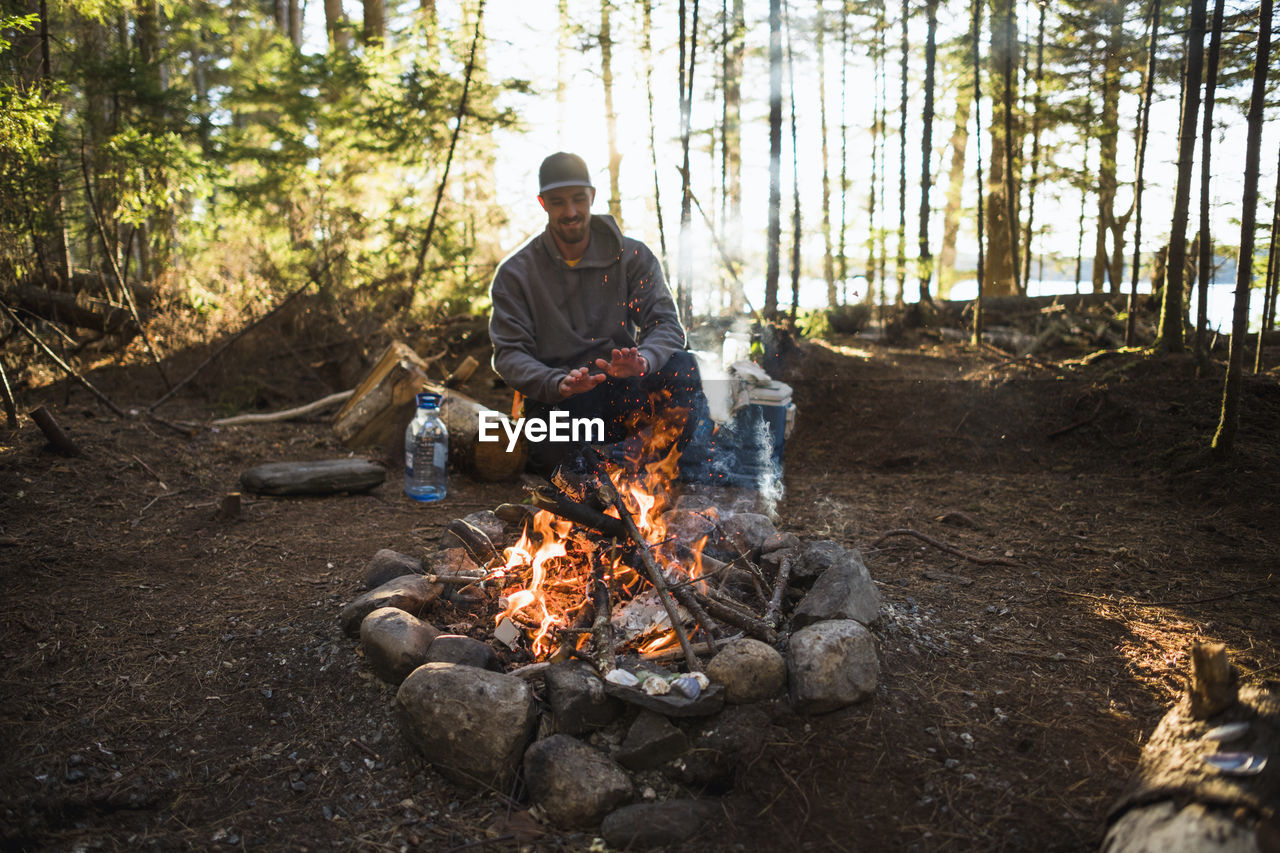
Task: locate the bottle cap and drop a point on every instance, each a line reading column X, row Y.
column 428, row 401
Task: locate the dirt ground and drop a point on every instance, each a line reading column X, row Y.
column 174, row 680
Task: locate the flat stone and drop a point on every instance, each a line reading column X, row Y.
column 748, row 531
column 751, row 671
column 471, row 724
column 395, row 643
column 708, row 702
column 844, row 591
column 816, row 558
column 467, row 651
column 574, row 784
column 577, row 698
column 646, row 825
column 651, row 742
column 453, row 561
column 410, row 593
column 831, row 665
column 387, row 565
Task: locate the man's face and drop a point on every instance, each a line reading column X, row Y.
column 568, row 212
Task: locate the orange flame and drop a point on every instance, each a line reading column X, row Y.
column 553, row 574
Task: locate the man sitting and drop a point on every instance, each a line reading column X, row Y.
column 583, row 322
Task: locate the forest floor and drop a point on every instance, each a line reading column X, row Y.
column 178, row 681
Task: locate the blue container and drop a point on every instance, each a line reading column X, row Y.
column 746, row 452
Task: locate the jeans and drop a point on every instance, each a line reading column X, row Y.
column 629, row 405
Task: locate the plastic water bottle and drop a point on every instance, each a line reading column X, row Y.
column 426, row 451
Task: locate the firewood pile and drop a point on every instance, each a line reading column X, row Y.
column 615, row 648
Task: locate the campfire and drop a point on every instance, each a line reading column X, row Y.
column 614, row 601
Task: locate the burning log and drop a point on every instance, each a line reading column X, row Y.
column 545, row 497
column 609, row 495
column 473, row 540
column 601, row 626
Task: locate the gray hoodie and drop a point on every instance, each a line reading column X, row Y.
column 549, row 317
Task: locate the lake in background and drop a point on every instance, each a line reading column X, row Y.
column 813, row 296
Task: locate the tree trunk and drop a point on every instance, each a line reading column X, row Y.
column 53, row 245
column 430, row 24
column 925, row 262
column 1269, row 287
column 684, row 295
column 732, row 227
column 876, row 147
column 1169, row 337
column 374, row 29
column 843, row 255
column 1144, row 120
column 1206, row 158
column 1224, row 439
column 901, row 267
column 882, row 233
column 610, row 115
column 562, row 62
column 976, row 42
column 1001, row 272
column 795, row 177
column 774, row 241
column 646, row 49
column 1037, row 104
column 335, row 25
column 828, row 259
column 1108, row 141
column 955, row 190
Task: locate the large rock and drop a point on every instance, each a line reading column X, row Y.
column 816, row 558
column 471, row 724
column 395, row 643
column 845, row 591
column 831, row 665
column 387, row 565
column 410, row 593
column 651, row 742
column 488, row 523
column 750, row 671
column 748, row 531
column 645, row 825
column 467, row 651
column 577, row 698
column 574, row 784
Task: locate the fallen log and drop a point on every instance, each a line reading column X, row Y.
column 383, row 404
column 1205, row 785
column 325, row 477
column 76, row 309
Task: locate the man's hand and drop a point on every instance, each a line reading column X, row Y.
column 578, row 381
column 624, row 363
